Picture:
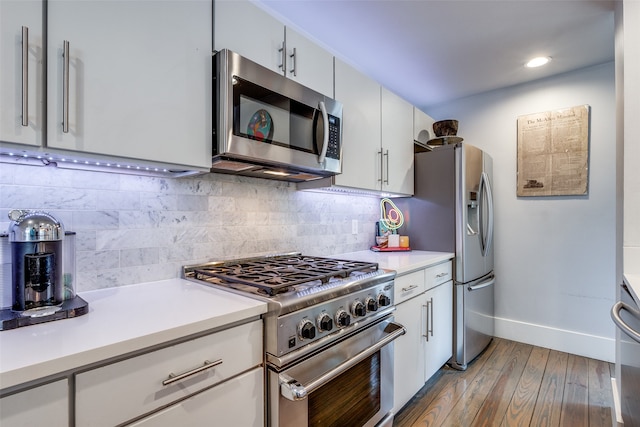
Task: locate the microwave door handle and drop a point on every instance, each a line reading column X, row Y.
column 325, row 138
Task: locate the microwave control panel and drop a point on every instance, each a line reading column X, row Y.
column 333, row 149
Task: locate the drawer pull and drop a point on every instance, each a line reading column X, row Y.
column 173, row 378
column 409, row 288
column 441, row 275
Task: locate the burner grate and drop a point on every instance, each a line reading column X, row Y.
column 278, row 274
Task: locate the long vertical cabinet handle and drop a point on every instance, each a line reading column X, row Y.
column 293, row 57
column 386, row 154
column 283, row 57
column 65, row 86
column 25, row 76
column 429, row 319
column 381, row 171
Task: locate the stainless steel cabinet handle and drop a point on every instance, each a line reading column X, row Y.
column 441, row 275
column 409, row 288
column 207, row 365
column 381, row 160
column 283, row 57
column 429, row 307
column 293, row 57
column 65, row 87
column 25, row 76
column 387, row 156
column 617, row 319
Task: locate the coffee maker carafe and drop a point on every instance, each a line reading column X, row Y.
column 42, row 270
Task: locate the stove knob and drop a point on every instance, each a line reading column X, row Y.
column 307, row 330
column 342, row 318
column 372, row 304
column 384, row 300
column 325, row 322
column 358, row 309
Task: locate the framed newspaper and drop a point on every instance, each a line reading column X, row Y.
column 553, row 153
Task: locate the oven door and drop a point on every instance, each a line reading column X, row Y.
column 348, row 384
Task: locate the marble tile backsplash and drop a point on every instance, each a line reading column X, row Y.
column 133, row 229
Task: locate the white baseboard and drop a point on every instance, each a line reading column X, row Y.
column 600, row 348
column 616, row 403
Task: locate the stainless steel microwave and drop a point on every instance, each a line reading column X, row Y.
column 269, row 126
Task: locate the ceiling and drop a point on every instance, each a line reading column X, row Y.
column 434, row 51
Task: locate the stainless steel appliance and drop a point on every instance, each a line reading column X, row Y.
column 452, row 211
column 329, row 335
column 269, row 126
column 42, row 271
column 626, row 315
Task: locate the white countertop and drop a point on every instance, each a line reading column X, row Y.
column 633, row 283
column 402, row 262
column 120, row 320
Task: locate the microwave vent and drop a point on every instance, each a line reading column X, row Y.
column 230, row 165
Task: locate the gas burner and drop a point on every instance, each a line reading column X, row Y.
column 279, row 274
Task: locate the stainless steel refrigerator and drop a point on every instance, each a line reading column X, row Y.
column 452, row 211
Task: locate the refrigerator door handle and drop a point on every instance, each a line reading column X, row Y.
column 486, row 236
column 484, row 284
column 617, row 319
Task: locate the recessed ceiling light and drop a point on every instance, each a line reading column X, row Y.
column 538, row 62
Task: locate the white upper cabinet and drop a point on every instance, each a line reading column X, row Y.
column 377, row 148
column 246, row 29
column 422, row 126
column 361, row 132
column 397, row 144
column 308, row 63
column 21, row 41
column 139, row 79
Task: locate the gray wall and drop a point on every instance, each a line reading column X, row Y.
column 133, row 229
column 555, row 256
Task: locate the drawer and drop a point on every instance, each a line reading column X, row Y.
column 408, row 285
column 438, row 274
column 123, row 390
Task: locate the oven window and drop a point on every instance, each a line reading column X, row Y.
column 351, row 399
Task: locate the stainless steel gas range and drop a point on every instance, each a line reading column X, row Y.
column 328, row 334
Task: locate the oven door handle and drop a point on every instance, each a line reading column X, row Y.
column 617, row 319
column 293, row 390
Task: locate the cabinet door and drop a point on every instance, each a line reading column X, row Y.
column 422, row 126
column 311, row 66
column 139, row 76
column 238, row 402
column 44, row 405
column 439, row 340
column 247, row 30
column 408, row 360
column 14, row 15
column 361, row 153
column 397, row 144
column 121, row 391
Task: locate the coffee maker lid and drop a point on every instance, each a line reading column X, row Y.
column 34, row 226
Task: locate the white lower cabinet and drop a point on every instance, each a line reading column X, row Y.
column 129, row 389
column 44, row 405
column 424, row 306
column 239, row 402
column 439, row 322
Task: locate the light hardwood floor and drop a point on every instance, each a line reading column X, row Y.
column 515, row 384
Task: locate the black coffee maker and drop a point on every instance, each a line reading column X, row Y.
column 42, row 270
